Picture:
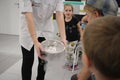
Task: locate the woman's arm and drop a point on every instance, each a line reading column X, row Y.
column 61, row 25
column 31, row 28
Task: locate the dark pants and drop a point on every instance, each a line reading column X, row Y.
column 27, row 63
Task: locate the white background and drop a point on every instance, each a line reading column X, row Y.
column 9, row 17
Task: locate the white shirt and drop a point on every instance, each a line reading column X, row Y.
column 42, row 12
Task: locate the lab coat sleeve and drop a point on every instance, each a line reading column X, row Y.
column 60, row 6
column 26, row 6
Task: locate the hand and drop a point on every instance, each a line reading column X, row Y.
column 39, row 48
column 64, row 42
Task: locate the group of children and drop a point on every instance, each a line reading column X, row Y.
column 100, row 41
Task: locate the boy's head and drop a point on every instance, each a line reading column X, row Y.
column 96, row 8
column 68, row 10
column 101, row 47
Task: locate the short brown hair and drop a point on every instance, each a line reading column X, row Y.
column 101, row 43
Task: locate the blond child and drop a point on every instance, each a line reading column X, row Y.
column 73, row 34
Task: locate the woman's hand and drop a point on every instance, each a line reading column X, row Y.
column 39, row 49
column 64, row 42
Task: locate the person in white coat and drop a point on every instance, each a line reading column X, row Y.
column 37, row 26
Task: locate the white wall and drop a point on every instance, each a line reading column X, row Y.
column 9, row 17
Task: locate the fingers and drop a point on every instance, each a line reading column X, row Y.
column 39, row 53
column 64, row 42
column 39, row 50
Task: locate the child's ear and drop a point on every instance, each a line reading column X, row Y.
column 86, row 61
column 97, row 14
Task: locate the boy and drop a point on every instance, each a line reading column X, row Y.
column 96, row 9
column 101, row 40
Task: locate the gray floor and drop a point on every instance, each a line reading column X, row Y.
column 11, row 59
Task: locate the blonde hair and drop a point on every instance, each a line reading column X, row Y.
column 68, row 5
column 92, row 9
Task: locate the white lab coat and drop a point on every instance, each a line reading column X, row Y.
column 42, row 12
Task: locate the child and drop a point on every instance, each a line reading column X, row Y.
column 101, row 47
column 72, row 27
column 96, row 9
